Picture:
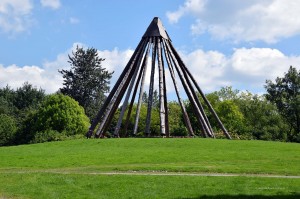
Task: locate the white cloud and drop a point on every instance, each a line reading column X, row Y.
column 15, row 76
column 252, row 20
column 207, row 67
column 193, row 6
column 245, row 69
column 47, row 76
column 116, row 61
column 259, row 61
column 53, row 4
column 15, row 15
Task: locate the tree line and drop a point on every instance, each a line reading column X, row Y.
column 28, row 115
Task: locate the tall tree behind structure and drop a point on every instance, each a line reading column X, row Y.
column 87, row 81
column 285, row 93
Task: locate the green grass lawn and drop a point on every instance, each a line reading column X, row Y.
column 71, row 169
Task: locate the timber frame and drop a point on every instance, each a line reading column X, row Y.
column 156, row 44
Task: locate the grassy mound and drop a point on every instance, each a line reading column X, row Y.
column 72, row 169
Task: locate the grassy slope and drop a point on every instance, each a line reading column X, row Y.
column 186, row 155
column 199, row 155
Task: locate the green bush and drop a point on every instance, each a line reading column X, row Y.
column 52, row 135
column 231, row 116
column 179, row 130
column 58, row 116
column 47, row 136
column 8, row 129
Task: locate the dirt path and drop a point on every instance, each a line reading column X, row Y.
column 152, row 173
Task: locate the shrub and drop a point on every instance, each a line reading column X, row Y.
column 57, row 115
column 8, row 129
column 52, row 135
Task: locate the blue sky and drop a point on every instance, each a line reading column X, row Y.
column 224, row 43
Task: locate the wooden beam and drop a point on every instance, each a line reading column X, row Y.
column 150, row 99
column 138, row 109
column 125, row 103
column 203, row 96
column 187, row 89
column 182, row 106
column 162, row 111
column 115, row 101
column 100, row 113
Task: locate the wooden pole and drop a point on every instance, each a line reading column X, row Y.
column 133, row 98
column 204, row 119
column 165, row 92
column 203, row 96
column 124, row 106
column 138, row 109
column 115, row 101
column 182, row 106
column 100, row 113
column 150, row 99
column 162, row 111
column 196, row 110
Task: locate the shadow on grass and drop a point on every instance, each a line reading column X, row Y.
column 294, row 196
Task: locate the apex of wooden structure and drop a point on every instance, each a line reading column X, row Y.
column 155, row 44
column 156, row 29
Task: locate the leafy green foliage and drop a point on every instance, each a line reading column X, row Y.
column 57, row 113
column 263, row 120
column 53, row 135
column 285, row 93
column 8, row 129
column 28, row 96
column 177, row 126
column 17, row 104
column 155, row 100
column 154, row 127
column 4, row 106
column 230, row 115
column 274, row 116
column 7, row 97
column 247, row 115
column 87, row 81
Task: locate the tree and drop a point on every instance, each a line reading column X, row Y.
column 155, row 102
column 231, row 116
column 7, row 97
column 262, row 119
column 28, row 96
column 176, row 120
column 285, row 93
column 58, row 113
column 250, row 116
column 87, row 81
column 227, row 93
column 8, row 129
column 154, row 126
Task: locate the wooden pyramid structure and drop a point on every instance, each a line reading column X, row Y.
column 156, row 44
